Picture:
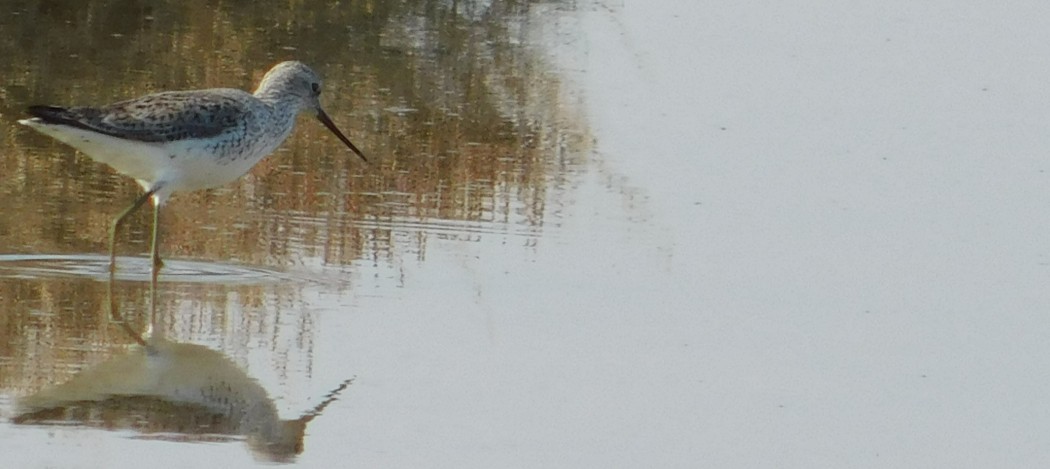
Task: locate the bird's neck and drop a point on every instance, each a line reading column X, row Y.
column 284, row 107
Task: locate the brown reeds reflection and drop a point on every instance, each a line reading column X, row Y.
column 468, row 136
column 462, row 124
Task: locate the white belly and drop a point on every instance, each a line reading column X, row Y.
column 183, row 165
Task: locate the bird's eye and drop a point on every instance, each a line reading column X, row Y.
column 316, row 87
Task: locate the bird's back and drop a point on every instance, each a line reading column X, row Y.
column 159, row 118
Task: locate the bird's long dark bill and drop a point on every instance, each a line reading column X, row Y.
column 321, row 116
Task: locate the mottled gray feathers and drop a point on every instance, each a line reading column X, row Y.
column 161, row 117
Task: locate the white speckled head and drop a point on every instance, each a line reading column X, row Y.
column 291, row 81
column 293, row 86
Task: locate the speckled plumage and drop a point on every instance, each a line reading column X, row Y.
column 189, row 140
column 161, row 117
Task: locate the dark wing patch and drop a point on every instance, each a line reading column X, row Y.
column 161, row 117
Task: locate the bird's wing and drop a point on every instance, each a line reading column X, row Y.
column 161, row 117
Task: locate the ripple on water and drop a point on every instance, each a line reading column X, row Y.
column 96, row 267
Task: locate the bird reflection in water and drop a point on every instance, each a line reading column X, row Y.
column 173, row 391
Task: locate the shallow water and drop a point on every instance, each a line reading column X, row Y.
column 475, row 153
column 785, row 236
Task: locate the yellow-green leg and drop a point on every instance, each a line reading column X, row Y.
column 120, row 221
column 153, row 248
